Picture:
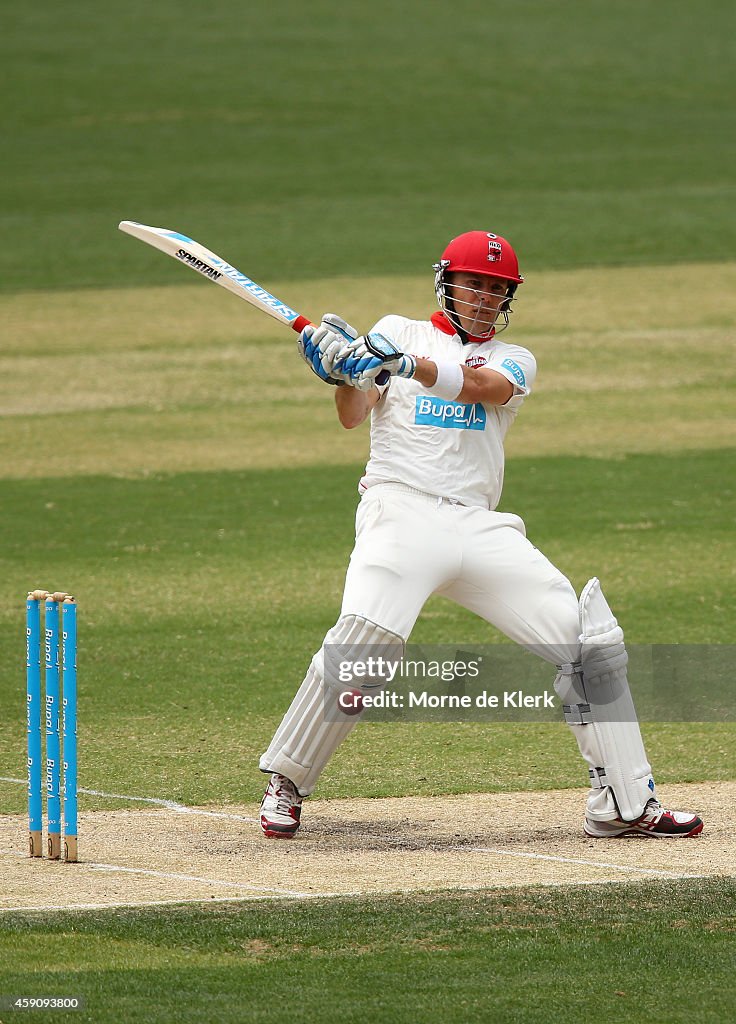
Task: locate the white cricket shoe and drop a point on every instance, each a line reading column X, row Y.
column 655, row 823
column 281, row 808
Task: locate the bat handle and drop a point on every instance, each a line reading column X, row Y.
column 301, row 322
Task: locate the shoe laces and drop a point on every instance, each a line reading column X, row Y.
column 653, row 811
column 286, row 795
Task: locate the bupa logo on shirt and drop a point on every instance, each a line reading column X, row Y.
column 516, row 372
column 436, row 412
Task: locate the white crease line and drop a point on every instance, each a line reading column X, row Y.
column 575, row 860
column 455, row 849
column 171, row 805
column 175, row 876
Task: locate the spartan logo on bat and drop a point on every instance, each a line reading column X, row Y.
column 495, row 249
column 197, row 264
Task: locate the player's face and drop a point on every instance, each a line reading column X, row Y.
column 477, row 299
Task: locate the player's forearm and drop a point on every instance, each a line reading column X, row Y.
column 482, row 385
column 353, row 406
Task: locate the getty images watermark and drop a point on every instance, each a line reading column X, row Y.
column 500, row 682
column 375, row 669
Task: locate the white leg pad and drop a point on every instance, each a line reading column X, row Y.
column 314, row 726
column 598, row 706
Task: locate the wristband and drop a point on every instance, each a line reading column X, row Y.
column 450, row 381
column 408, row 366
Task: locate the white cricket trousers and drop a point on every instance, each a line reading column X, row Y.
column 410, row 545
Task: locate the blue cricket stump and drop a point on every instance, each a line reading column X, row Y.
column 33, row 720
column 53, row 731
column 60, row 706
column 69, row 687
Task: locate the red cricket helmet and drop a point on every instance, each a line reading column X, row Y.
column 477, row 252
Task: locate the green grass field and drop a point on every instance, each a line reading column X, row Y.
column 323, row 137
column 531, row 956
column 164, row 455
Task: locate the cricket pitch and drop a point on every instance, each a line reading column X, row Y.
column 161, row 856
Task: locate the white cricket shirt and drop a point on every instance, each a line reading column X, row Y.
column 451, row 449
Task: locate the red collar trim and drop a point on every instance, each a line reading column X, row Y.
column 441, row 322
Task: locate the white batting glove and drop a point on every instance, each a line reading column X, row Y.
column 320, row 347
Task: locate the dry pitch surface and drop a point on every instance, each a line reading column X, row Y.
column 176, row 854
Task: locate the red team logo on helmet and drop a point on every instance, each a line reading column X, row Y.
column 495, row 249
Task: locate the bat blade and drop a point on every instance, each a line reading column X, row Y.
column 215, row 268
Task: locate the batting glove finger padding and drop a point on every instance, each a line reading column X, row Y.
column 310, row 352
column 320, row 347
column 339, row 326
column 367, row 380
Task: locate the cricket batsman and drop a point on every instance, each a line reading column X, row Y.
column 441, row 395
